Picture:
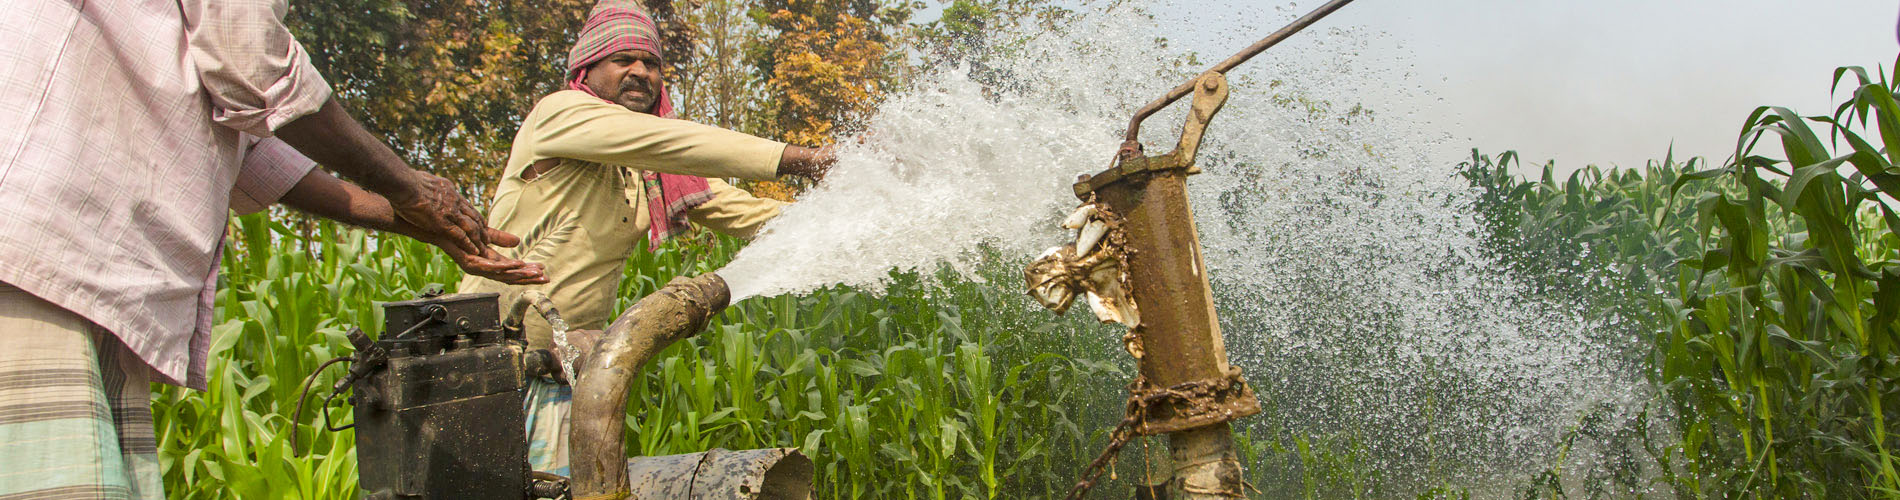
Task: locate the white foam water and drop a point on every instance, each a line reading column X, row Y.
column 953, row 165
column 1352, row 285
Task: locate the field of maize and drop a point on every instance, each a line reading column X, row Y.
column 1766, row 288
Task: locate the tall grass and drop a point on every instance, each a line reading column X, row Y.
column 938, row 387
column 1611, row 239
column 1781, row 348
column 1769, row 288
column 281, row 312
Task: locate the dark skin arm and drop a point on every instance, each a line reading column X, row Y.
column 810, row 163
column 428, row 203
column 323, row 195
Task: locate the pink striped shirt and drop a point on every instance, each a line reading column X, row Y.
column 128, row 130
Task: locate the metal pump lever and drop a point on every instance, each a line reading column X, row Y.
column 1210, row 94
column 1134, row 125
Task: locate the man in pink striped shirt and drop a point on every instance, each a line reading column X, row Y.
column 128, row 131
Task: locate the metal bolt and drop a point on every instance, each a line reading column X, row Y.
column 1210, row 83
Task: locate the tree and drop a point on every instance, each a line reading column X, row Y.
column 715, row 86
column 446, row 83
column 829, row 61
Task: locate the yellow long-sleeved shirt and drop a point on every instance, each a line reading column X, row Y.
column 583, row 217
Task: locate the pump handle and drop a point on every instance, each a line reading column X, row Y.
column 1134, row 125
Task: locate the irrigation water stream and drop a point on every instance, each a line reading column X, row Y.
column 1345, row 263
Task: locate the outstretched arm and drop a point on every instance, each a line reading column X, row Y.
column 733, row 211
column 259, row 80
column 430, row 204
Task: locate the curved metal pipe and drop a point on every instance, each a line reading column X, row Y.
column 596, row 454
column 517, row 311
column 543, row 362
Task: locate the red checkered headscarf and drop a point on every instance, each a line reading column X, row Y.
column 614, row 26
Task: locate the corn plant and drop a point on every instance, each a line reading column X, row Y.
column 1782, row 347
column 897, row 394
column 1772, row 298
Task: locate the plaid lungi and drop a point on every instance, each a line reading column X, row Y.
column 75, row 408
column 548, row 403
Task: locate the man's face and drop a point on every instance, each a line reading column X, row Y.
column 628, row 77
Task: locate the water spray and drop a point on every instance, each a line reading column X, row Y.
column 1137, row 259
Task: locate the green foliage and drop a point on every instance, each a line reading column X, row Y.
column 1610, row 239
column 964, row 27
column 1768, row 290
column 445, row 83
column 935, row 388
column 896, row 395
column 281, row 313
column 964, row 36
column 1781, row 350
column 827, row 62
column 718, row 88
column 1594, row 232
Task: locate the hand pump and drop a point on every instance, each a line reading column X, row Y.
column 1139, row 258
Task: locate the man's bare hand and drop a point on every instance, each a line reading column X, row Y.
column 436, row 213
column 432, row 205
column 426, row 207
column 492, row 265
column 810, row 163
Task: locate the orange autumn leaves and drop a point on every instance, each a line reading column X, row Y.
column 828, row 64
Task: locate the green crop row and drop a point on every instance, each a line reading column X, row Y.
column 1780, row 352
column 1769, row 288
column 897, row 394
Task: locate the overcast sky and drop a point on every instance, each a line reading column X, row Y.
column 1598, row 81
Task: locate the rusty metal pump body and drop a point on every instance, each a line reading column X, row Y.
column 438, row 409
column 1179, row 333
column 1186, row 388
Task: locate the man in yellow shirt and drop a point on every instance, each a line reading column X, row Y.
column 596, row 166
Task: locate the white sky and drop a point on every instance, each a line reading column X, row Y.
column 1607, row 82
